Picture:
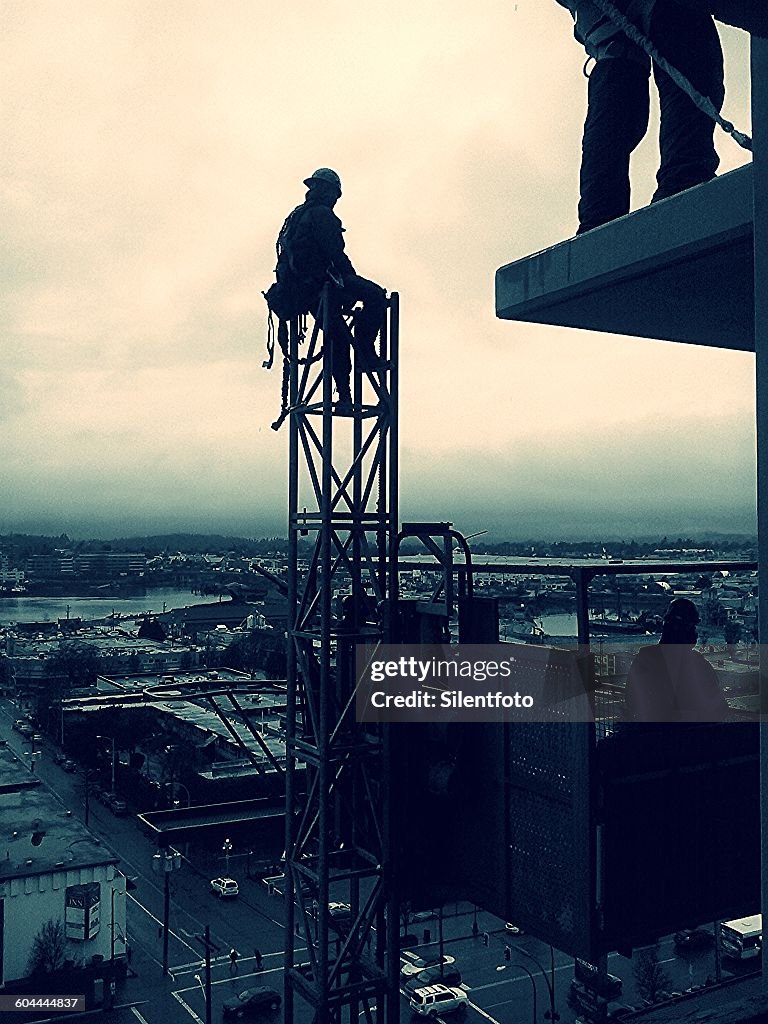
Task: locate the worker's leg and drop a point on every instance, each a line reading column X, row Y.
column 617, row 117
column 751, row 15
column 342, row 364
column 369, row 319
column 687, row 39
column 338, row 338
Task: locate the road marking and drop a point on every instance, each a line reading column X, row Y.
column 231, row 977
column 158, row 921
column 139, row 1016
column 482, row 1012
column 187, row 1007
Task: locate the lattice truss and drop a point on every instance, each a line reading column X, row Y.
column 343, row 507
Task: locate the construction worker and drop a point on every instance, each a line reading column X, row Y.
column 685, row 35
column 311, row 247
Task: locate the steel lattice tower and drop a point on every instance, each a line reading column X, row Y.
column 343, row 475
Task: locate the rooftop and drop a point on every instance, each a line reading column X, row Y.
column 37, row 834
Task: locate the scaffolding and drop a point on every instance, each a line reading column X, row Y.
column 343, row 476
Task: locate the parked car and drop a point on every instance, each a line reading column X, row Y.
column 59, row 758
column 249, row 1002
column 19, row 724
column 224, row 887
column 451, row 977
column 69, row 765
column 435, row 999
column 117, row 806
column 413, row 964
column 693, row 938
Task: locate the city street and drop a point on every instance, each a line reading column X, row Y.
column 500, row 989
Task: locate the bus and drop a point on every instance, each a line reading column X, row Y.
column 743, row 937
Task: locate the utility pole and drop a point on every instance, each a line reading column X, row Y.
column 205, row 941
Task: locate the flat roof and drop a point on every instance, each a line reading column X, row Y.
column 644, row 274
column 186, row 822
column 30, row 814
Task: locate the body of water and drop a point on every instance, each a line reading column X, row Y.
column 49, row 609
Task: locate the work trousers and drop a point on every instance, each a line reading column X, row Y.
column 617, row 115
column 367, row 323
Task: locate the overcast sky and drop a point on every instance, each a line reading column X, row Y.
column 151, row 151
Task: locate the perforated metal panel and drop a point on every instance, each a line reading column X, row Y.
column 549, row 834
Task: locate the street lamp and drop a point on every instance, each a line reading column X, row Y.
column 549, row 981
column 176, row 784
column 533, row 985
column 227, row 849
column 112, row 741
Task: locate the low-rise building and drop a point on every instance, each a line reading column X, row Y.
column 53, row 869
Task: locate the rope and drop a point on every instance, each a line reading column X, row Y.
column 704, row 103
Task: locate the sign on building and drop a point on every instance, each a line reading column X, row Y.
column 82, row 916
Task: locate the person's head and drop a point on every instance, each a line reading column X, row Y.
column 680, row 622
column 324, row 186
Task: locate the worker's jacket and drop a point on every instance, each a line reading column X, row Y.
column 602, row 38
column 312, row 244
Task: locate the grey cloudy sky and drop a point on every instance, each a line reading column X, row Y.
column 150, row 153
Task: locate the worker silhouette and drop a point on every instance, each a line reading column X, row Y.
column 670, row 682
column 311, row 251
column 684, row 33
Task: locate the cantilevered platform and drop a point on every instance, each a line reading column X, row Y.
column 645, row 274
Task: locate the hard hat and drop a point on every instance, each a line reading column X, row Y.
column 324, row 174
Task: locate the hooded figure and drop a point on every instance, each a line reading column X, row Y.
column 670, row 682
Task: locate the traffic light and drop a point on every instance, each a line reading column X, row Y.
column 507, row 953
column 486, row 938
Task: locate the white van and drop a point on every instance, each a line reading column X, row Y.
column 434, row 999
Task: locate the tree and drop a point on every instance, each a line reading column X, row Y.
column 732, row 633
column 77, row 661
column 48, row 949
column 650, row 976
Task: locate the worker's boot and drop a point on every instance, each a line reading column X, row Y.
column 343, row 406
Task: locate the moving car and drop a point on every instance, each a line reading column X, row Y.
column 249, row 1002
column 435, row 999
column 413, row 964
column 451, row 977
column 222, row 887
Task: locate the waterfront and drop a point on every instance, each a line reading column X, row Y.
column 49, row 609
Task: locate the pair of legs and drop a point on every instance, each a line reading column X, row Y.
column 368, row 321
column 617, row 116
